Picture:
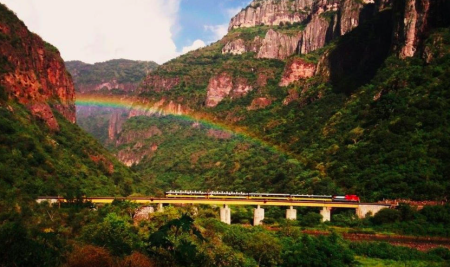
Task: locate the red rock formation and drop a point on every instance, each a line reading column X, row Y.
column 259, row 103
column 292, row 96
column 100, row 159
column 34, row 73
column 219, row 87
column 296, row 70
column 241, row 88
column 222, row 85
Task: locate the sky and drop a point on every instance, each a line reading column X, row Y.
column 152, row 30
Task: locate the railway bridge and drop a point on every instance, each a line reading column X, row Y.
column 361, row 209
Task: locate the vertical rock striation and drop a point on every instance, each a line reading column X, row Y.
column 271, row 12
column 277, row 45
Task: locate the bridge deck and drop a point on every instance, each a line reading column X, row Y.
column 250, row 202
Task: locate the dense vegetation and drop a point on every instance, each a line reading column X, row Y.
column 77, row 235
column 35, row 161
column 120, row 70
column 191, row 156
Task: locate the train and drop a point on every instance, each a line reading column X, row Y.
column 259, row 196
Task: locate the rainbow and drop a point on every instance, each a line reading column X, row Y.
column 144, row 107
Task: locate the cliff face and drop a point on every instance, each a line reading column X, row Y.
column 271, row 12
column 277, row 45
column 413, row 21
column 33, row 73
column 323, row 21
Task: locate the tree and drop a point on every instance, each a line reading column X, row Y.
column 386, row 216
column 175, row 238
column 114, row 233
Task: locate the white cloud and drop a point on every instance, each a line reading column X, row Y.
column 219, row 31
column 195, row 45
column 100, row 30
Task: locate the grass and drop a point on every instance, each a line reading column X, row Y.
column 374, row 262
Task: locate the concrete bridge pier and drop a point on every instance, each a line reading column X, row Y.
column 225, row 214
column 291, row 214
column 362, row 210
column 258, row 216
column 326, row 214
column 160, row 207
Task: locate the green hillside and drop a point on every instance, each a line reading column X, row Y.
column 121, row 70
column 36, row 161
column 378, row 126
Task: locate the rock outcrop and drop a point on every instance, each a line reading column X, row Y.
column 33, row 73
column 271, row 12
column 315, row 35
column 235, row 47
column 259, row 103
column 277, row 45
column 324, row 19
column 296, row 70
column 413, row 20
column 222, row 86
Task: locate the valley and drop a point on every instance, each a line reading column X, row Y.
column 344, row 103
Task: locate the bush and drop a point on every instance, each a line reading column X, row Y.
column 386, row 216
column 89, row 256
column 320, row 251
column 311, row 219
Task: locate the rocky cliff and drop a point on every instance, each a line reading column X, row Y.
column 271, row 12
column 33, row 73
column 277, row 45
column 413, row 21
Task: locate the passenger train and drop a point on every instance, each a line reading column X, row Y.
column 259, row 196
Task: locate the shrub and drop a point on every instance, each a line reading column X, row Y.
column 89, row 256
column 385, row 216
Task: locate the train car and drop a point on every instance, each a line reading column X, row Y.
column 311, row 197
column 227, row 195
column 273, row 196
column 346, row 198
column 186, row 194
